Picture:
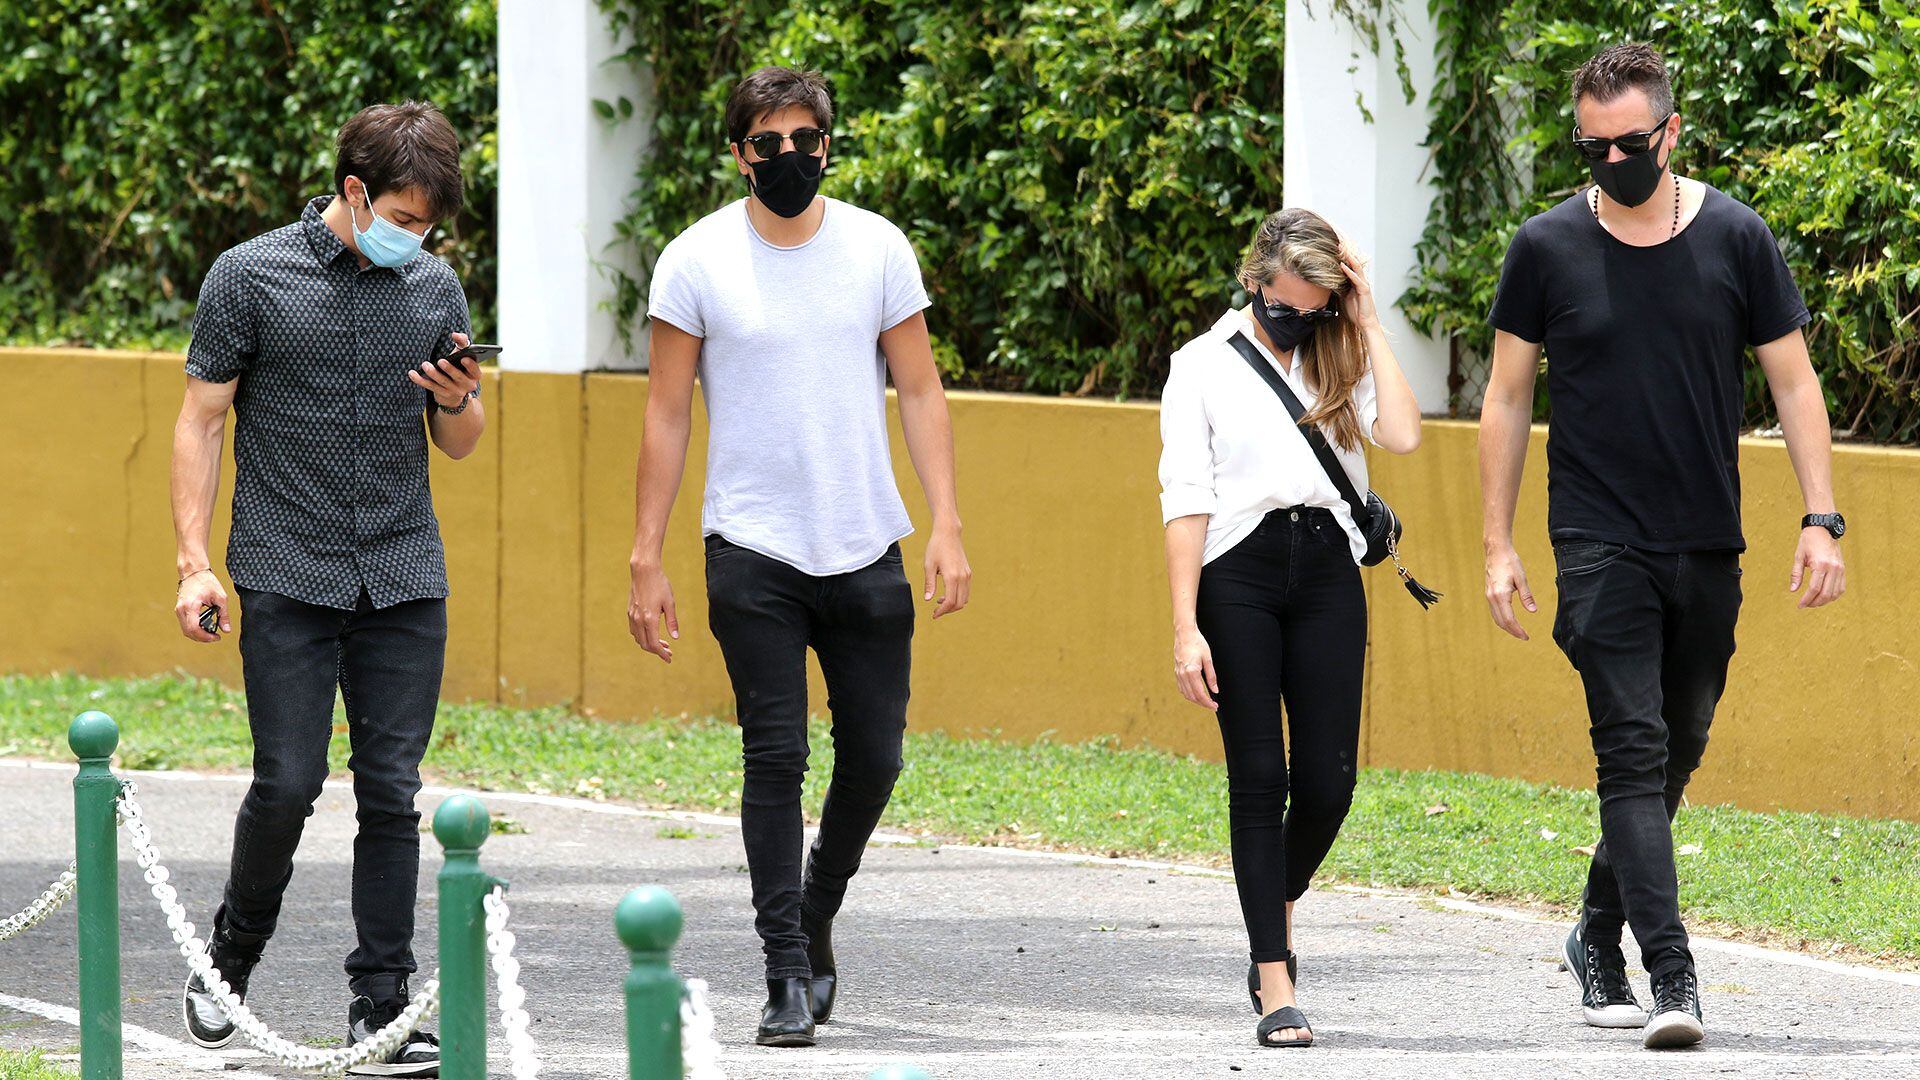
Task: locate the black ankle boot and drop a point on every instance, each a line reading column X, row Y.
column 826, row 976
column 787, row 1020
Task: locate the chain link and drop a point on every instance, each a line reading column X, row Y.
column 699, row 1050
column 42, row 906
column 522, row 1059
column 293, row 1055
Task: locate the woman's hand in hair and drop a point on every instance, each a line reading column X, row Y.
column 1193, row 668
column 1359, row 299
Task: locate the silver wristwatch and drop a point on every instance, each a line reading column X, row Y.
column 460, row 408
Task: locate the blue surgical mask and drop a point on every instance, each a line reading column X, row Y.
column 383, row 242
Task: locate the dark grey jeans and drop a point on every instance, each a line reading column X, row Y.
column 1651, row 634
column 387, row 664
column 765, row 615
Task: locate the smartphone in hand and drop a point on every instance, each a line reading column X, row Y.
column 473, row 354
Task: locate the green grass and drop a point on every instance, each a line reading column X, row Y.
column 15, row 1065
column 1802, row 879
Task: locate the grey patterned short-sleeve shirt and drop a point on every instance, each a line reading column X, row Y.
column 330, row 440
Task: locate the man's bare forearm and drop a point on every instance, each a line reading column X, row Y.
column 193, row 482
column 1504, row 428
column 929, row 432
column 1809, row 435
column 663, row 458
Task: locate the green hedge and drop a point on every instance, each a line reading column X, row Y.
column 1078, row 178
column 1808, row 111
column 140, row 139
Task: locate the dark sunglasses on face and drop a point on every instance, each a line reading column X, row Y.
column 1319, row 314
column 767, row 143
column 1635, row 143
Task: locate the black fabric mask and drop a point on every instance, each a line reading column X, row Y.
column 1631, row 180
column 786, row 183
column 1286, row 330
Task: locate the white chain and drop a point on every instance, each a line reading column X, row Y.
column 293, row 1055
column 522, row 1061
column 42, row 906
column 699, row 1050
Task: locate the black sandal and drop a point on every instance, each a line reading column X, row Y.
column 1287, row 1016
column 1253, row 978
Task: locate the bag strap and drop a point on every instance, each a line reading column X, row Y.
column 1335, row 470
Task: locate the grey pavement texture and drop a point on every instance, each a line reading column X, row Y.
column 971, row 963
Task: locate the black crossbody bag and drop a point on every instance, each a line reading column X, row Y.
column 1379, row 525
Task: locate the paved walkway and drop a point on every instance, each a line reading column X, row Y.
column 971, row 963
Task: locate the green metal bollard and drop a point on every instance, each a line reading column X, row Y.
column 648, row 920
column 899, row 1072
column 461, row 825
column 96, row 856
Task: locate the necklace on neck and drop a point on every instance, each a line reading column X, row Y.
column 1594, row 205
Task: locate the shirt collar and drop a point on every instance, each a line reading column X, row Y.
column 326, row 245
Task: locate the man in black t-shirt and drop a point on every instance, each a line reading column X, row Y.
column 1646, row 291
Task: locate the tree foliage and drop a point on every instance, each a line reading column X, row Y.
column 140, row 139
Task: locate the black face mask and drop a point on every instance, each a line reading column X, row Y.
column 1631, row 180
column 786, row 183
column 1286, row 330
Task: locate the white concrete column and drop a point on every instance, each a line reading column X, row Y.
column 1366, row 178
column 565, row 178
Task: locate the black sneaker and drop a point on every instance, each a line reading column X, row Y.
column 207, row 1025
column 1606, row 998
column 1676, row 1012
column 418, row 1056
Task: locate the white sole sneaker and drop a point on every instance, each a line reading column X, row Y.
column 186, row 1021
column 1611, row 1016
column 1672, row 1030
column 1615, row 1016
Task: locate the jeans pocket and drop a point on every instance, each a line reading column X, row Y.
column 1572, row 558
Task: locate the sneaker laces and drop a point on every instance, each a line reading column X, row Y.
column 1607, row 974
column 1675, row 993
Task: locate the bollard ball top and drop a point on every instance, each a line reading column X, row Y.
column 461, row 823
column 899, row 1072
column 93, row 735
column 648, row 919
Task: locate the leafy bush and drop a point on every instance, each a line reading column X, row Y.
column 1078, row 178
column 1808, row 111
column 143, row 138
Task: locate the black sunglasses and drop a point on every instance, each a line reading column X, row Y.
column 767, row 143
column 1319, row 314
column 1635, row 143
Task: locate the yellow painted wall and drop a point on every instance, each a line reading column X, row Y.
column 1068, row 631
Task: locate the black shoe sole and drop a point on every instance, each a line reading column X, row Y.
column 788, row 1039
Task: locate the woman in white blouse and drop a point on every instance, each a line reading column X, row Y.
column 1262, row 554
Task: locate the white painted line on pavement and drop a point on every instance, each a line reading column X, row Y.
column 1733, row 948
column 172, row 1051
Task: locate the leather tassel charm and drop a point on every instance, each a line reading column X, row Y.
column 1426, row 596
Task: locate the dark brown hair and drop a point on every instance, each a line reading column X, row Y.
column 396, row 147
column 771, row 89
column 1617, row 68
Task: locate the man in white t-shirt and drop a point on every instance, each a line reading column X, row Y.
column 793, row 308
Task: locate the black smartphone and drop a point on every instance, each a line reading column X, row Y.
column 210, row 619
column 475, row 352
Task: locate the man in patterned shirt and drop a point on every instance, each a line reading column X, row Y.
column 327, row 338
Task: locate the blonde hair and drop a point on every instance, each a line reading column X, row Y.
column 1334, row 359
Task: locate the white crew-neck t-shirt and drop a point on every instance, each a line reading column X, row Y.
column 798, row 464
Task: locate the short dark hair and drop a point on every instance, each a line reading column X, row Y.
column 1617, row 68
column 396, row 147
column 771, row 89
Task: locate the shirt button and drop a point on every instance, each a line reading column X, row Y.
column 1295, row 515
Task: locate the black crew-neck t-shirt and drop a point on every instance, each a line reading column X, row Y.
column 1645, row 351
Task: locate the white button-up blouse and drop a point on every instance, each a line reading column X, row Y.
column 1230, row 450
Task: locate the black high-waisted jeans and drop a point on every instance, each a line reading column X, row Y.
column 1286, row 617
column 765, row 615
column 387, row 664
column 1651, row 634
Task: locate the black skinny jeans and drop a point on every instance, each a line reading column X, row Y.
column 1651, row 634
column 1286, row 617
column 387, row 664
column 765, row 615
